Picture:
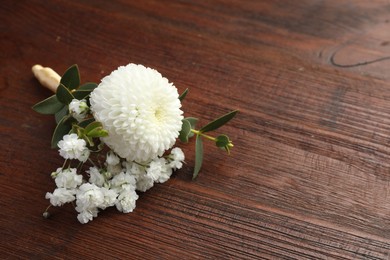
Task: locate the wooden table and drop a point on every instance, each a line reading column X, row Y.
column 309, row 176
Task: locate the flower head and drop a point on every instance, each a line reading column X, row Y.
column 140, row 110
column 68, row 178
column 126, row 201
column 177, row 156
column 95, row 177
column 155, row 168
column 61, row 196
column 71, row 147
column 78, row 109
column 88, row 196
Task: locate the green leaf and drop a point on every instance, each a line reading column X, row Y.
column 88, row 86
column 193, row 122
column 185, row 131
column 63, row 128
column 183, row 95
column 60, row 114
column 48, row 106
column 84, row 90
column 198, row 156
column 222, row 141
column 89, row 140
column 71, row 78
column 78, row 130
column 86, row 122
column 217, row 123
column 64, row 95
column 97, row 132
column 92, row 126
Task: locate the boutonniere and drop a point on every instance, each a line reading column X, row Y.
column 117, row 137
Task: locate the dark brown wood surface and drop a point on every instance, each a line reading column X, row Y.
column 309, row 176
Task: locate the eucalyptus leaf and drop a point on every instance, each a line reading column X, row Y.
column 60, row 114
column 193, row 122
column 198, row 156
column 217, row 123
column 185, row 131
column 64, row 95
column 183, row 95
column 83, row 91
column 88, row 86
column 63, row 128
column 71, row 78
column 48, row 106
column 79, row 94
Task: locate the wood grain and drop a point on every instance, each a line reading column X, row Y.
column 309, row 175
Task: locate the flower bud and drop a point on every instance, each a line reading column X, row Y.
column 46, row 214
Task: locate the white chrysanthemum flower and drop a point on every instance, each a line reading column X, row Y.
column 61, row 196
column 78, row 109
column 72, row 147
column 140, row 110
column 68, row 178
column 177, row 156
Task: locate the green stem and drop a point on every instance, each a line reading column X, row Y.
column 89, row 160
column 204, row 135
column 140, row 164
column 197, row 132
column 63, row 165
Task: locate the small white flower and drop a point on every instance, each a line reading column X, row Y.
column 61, row 196
column 155, row 168
column 112, row 158
column 78, row 109
column 166, row 173
column 126, row 201
column 95, row 176
column 144, row 182
column 114, row 169
column 134, row 169
column 88, row 196
column 68, row 178
column 84, row 155
column 71, row 147
column 87, row 215
column 109, row 198
column 177, row 156
column 140, row 110
column 122, row 180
